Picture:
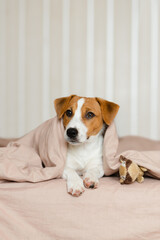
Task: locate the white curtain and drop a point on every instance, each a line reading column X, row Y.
column 104, row 48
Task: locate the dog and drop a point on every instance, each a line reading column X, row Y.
column 85, row 121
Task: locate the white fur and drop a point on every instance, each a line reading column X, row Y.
column 83, row 159
column 78, row 124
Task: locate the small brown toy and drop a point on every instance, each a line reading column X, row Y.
column 130, row 171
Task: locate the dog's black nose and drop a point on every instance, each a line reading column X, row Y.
column 72, row 132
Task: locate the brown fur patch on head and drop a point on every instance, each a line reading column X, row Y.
column 95, row 124
column 71, row 106
column 61, row 105
column 109, row 110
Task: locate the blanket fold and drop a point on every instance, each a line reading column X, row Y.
column 22, row 160
column 148, row 159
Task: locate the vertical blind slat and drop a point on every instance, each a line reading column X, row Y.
column 154, row 69
column 134, row 66
column 3, row 67
column 21, row 67
column 109, row 87
column 46, row 60
column 90, row 49
column 65, row 47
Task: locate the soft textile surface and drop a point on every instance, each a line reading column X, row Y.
column 44, row 211
column 22, row 160
column 146, row 156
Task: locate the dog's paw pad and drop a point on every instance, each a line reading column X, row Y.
column 77, row 193
column 76, row 190
column 88, row 183
column 70, row 191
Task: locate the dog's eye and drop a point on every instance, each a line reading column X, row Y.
column 90, row 115
column 69, row 113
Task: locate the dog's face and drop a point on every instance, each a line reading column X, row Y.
column 84, row 118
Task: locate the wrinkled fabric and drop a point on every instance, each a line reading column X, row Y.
column 22, row 160
column 32, row 208
column 147, row 155
column 45, row 211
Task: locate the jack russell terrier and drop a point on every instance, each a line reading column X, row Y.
column 85, row 121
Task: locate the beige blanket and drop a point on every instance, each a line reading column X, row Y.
column 44, row 210
column 22, row 160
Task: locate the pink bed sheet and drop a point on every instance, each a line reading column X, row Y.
column 34, row 204
column 44, row 211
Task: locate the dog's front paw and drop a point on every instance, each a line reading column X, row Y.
column 90, row 182
column 75, row 188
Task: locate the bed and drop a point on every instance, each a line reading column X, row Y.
column 44, row 211
column 37, row 205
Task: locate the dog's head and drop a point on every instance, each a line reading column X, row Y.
column 84, row 118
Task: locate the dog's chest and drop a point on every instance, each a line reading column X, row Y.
column 79, row 156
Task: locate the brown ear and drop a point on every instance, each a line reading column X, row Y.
column 61, row 105
column 109, row 110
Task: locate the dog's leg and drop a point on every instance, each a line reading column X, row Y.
column 91, row 176
column 75, row 185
